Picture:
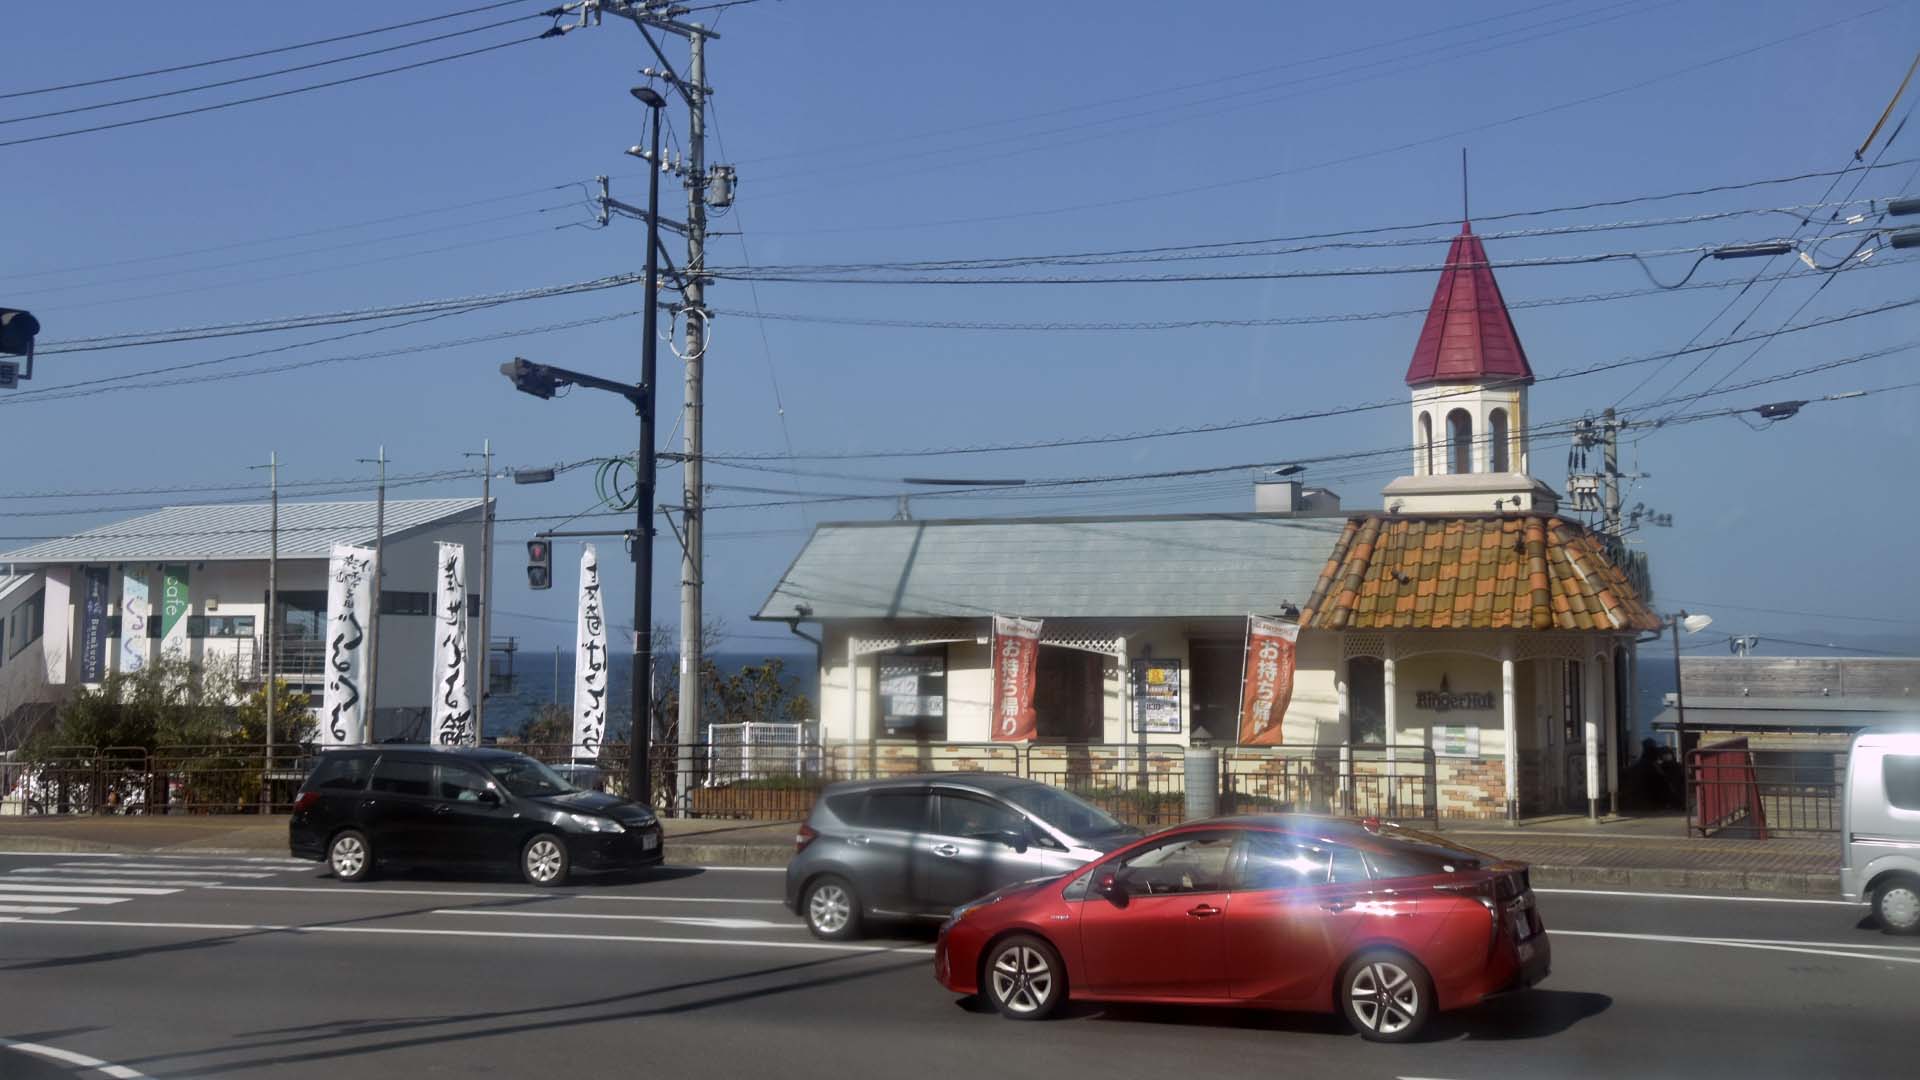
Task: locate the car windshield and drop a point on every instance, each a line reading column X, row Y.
column 527, row 777
column 1063, row 810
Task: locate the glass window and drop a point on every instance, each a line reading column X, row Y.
column 902, row 810
column 1276, row 861
column 395, row 776
column 1497, row 437
column 1064, row 811
column 1406, row 853
column 912, row 690
column 459, row 783
column 1188, row 863
column 526, row 777
column 1367, row 700
column 1901, row 775
column 1069, row 694
column 340, row 772
column 219, row 626
column 975, row 818
column 1459, row 442
column 27, row 622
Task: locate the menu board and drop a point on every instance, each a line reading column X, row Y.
column 1156, row 696
column 913, row 689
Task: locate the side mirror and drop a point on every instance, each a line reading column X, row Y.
column 490, row 797
column 1107, row 884
column 1015, row 839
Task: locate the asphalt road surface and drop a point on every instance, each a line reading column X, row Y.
column 130, row 966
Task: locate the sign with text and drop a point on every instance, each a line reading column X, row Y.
column 1446, row 699
column 343, row 707
column 590, row 661
column 1456, row 740
column 1156, row 696
column 134, row 612
column 1016, row 651
column 174, row 605
column 1266, row 683
column 452, row 705
column 93, row 625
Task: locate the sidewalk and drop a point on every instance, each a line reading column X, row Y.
column 1621, row 853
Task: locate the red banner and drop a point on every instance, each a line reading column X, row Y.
column 1266, row 686
column 1016, row 650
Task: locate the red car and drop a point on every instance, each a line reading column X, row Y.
column 1384, row 925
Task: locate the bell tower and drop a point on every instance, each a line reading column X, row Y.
column 1469, row 377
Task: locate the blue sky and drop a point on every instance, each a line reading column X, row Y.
column 880, row 132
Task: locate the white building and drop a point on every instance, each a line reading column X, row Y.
column 204, row 569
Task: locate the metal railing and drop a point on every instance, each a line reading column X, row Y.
column 1360, row 781
column 1734, row 790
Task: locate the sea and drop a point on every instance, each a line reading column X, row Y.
column 544, row 678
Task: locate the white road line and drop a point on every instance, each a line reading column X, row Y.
column 1699, row 896
column 33, row 909
column 677, row 920
column 739, row 869
column 155, row 874
column 905, row 950
column 532, row 894
column 14, row 885
column 62, row 879
column 1822, row 944
column 1730, row 943
column 118, row 1072
column 66, row 898
column 150, row 855
column 255, row 870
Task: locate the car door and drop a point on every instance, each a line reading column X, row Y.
column 467, row 823
column 977, row 844
column 398, row 805
column 891, row 820
column 1162, row 932
column 1296, row 903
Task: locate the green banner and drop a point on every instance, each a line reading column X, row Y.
column 174, row 603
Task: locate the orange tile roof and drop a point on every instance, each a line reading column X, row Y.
column 1473, row 572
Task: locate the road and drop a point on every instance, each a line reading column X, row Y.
column 200, row 967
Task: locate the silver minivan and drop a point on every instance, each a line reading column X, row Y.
column 919, row 846
column 1880, row 826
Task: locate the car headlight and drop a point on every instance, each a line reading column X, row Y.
column 965, row 910
column 594, row 823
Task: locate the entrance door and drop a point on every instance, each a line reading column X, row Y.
column 1573, row 742
column 1217, row 667
column 1069, row 690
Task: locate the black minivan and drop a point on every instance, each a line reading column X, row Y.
column 468, row 807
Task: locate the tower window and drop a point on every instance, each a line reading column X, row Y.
column 1459, row 442
column 1425, row 449
column 1497, row 435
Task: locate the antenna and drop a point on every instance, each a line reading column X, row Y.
column 1466, row 217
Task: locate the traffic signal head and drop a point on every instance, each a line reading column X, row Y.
column 539, row 564
column 17, row 329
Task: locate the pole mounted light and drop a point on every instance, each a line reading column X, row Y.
column 1692, row 624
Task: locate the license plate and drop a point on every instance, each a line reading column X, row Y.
column 649, row 842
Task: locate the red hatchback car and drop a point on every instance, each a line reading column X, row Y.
column 1384, row 925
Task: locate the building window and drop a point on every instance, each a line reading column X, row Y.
column 1497, row 437
column 219, row 626
column 1367, row 700
column 1069, row 690
column 1459, row 442
column 397, row 602
column 1574, row 703
column 26, row 623
column 1425, row 447
column 912, row 688
column 1900, row 774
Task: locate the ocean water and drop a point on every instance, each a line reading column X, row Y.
column 509, row 708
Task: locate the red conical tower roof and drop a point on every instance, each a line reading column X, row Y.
column 1469, row 336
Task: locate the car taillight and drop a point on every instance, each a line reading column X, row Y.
column 305, row 801
column 801, row 839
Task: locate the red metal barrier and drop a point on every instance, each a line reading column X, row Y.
column 1726, row 790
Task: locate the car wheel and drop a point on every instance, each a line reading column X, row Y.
column 832, row 909
column 544, row 860
column 1025, row 979
column 1386, row 996
column 350, row 856
column 1896, row 904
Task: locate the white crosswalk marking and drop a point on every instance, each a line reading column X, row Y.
column 14, row 885
column 58, row 878
column 33, row 909
column 253, row 870
column 181, row 872
column 65, row 884
column 62, row 898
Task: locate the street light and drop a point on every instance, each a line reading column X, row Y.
column 1692, row 624
column 542, row 380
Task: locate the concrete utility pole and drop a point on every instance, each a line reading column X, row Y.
column 485, row 651
column 270, row 632
column 692, row 558
column 1610, row 474
column 379, row 571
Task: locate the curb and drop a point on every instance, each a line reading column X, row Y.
column 728, row 854
column 55, row 845
column 1761, row 882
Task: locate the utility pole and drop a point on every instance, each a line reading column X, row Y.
column 486, row 589
column 379, row 571
column 692, row 557
column 270, row 634
column 1610, row 477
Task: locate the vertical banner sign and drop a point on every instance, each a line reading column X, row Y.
column 1016, row 651
column 93, row 625
column 134, row 612
column 349, row 602
column 174, row 604
column 590, row 662
column 1266, row 686
column 452, row 708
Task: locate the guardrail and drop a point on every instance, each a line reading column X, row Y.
column 1734, row 790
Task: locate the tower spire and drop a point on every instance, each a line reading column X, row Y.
column 1466, row 215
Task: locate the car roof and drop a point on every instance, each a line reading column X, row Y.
column 1900, row 737
column 977, row 781
column 469, row 753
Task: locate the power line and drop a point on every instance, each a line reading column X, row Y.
column 261, row 52
column 1836, row 646
column 1710, row 604
column 264, row 74
column 269, row 97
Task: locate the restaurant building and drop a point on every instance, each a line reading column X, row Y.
column 1465, row 642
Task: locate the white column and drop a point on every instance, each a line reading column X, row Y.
column 1611, row 737
column 1392, row 738
column 1510, row 723
column 1344, row 716
column 1591, row 710
column 56, row 624
column 853, row 691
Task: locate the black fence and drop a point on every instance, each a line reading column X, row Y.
column 1736, row 791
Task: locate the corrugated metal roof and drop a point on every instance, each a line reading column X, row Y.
column 1193, row 565
column 307, row 531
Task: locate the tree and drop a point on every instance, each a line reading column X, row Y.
column 759, row 693
column 550, row 725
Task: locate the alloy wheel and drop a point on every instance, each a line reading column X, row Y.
column 1022, row 979
column 829, row 908
column 1900, row 907
column 543, row 860
column 1386, row 999
column 349, row 855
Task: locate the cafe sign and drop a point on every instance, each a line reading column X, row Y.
column 1446, row 699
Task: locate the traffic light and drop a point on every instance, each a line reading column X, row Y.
column 17, row 329
column 539, row 564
